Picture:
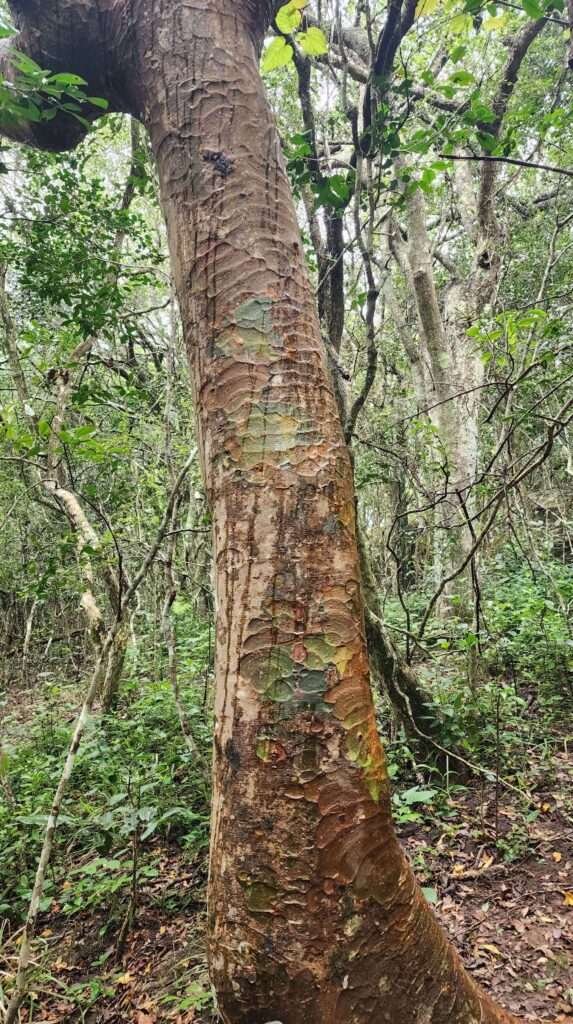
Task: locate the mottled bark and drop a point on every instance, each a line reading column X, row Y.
column 314, row 914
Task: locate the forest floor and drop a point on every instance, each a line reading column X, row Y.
column 501, row 878
column 511, row 920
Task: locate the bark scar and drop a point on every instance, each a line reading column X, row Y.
column 222, row 163
column 233, row 755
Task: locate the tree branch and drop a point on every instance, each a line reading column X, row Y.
column 530, row 164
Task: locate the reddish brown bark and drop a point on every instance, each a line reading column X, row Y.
column 314, row 913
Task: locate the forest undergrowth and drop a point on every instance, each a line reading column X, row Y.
column 122, row 930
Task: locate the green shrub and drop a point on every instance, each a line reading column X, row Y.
column 133, row 772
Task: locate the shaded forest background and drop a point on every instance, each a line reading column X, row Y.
column 438, row 230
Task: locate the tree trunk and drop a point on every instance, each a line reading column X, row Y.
column 313, row 910
column 314, row 914
column 114, row 669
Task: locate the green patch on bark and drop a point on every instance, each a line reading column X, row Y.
column 256, row 315
column 261, row 897
column 360, row 752
column 264, row 669
column 263, row 748
column 275, row 428
column 277, row 677
column 253, row 325
column 269, row 749
column 320, row 653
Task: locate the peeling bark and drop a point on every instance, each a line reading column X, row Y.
column 314, row 914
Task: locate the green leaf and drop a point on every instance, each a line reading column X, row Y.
column 458, row 53
column 31, row 112
column 532, row 8
column 65, row 78
column 333, row 191
column 415, row 795
column 180, row 607
column 460, row 23
column 6, row 32
column 313, row 42
column 26, row 65
column 481, row 112
column 289, row 17
column 430, row 894
column 277, row 54
column 426, row 7
column 98, row 101
column 495, row 24
column 426, row 179
column 462, row 77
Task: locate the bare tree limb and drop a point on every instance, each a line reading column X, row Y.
column 484, row 158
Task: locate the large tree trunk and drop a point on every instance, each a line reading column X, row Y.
column 314, row 914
